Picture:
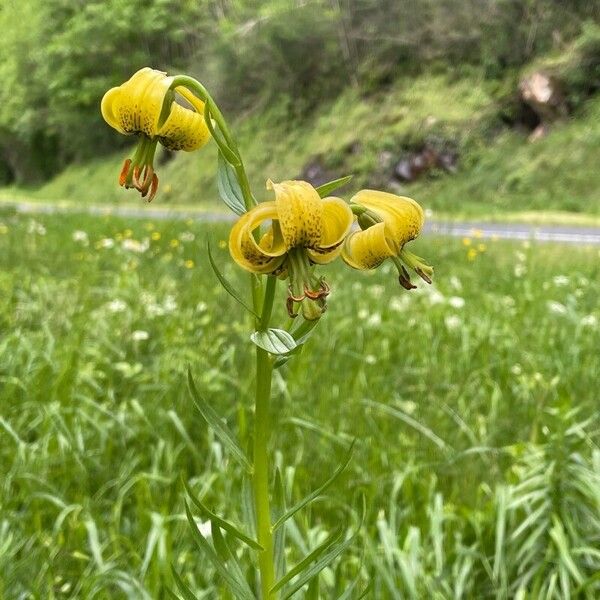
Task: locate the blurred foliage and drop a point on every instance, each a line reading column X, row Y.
column 59, row 56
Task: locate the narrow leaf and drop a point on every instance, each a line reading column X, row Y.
column 217, row 425
column 229, row 188
column 227, row 556
column 248, row 508
column 183, row 588
column 274, row 341
column 313, row 571
column 279, row 537
column 213, row 558
column 312, row 593
column 298, row 506
column 225, row 525
column 327, row 188
column 225, row 283
column 307, row 560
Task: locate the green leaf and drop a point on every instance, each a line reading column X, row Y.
column 309, row 558
column 225, row 283
column 227, row 556
column 218, row 426
column 301, row 335
column 327, row 188
column 248, row 508
column 229, row 188
column 183, row 588
column 275, row 341
column 225, row 525
column 312, row 593
column 210, row 554
column 298, row 506
column 313, row 571
column 279, row 537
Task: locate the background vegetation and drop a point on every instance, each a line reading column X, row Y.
column 342, row 84
column 473, row 402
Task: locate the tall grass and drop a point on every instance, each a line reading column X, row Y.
column 472, row 403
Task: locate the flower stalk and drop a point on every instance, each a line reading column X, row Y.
column 262, row 434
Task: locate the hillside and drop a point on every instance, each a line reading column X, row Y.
column 496, row 171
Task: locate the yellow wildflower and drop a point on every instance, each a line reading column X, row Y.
column 146, row 105
column 304, row 230
column 387, row 223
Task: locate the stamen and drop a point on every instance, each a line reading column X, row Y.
column 124, row 174
column 406, row 283
column 423, row 275
column 153, row 188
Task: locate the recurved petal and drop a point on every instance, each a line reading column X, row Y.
column 322, row 257
column 138, row 106
column 263, row 257
column 402, row 216
column 336, row 223
column 367, row 249
column 184, row 129
column 107, row 107
column 300, row 213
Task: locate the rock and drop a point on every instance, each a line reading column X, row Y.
column 416, row 164
column 542, row 93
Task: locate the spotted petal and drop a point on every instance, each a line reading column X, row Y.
column 264, row 256
column 335, row 225
column 300, row 213
column 184, row 129
column 402, row 216
column 136, row 105
column 367, row 249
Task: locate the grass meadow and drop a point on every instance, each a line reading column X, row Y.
column 473, row 403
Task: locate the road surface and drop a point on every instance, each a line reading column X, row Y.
column 485, row 230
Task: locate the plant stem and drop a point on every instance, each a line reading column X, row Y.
column 217, row 115
column 264, row 371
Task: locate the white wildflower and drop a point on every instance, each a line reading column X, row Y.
column 520, row 270
column 106, row 243
column 589, row 321
column 116, row 306
column 516, row 369
column 139, row 335
column 556, row 307
column 187, row 236
column 452, row 322
column 81, row 237
column 560, row 280
column 135, row 246
column 456, row 302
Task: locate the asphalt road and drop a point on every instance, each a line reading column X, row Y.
column 486, row 230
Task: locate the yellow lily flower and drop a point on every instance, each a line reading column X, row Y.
column 303, row 230
column 387, row 223
column 146, row 105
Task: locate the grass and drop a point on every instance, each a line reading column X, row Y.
column 500, row 174
column 472, row 402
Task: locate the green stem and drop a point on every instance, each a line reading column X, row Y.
column 264, row 371
column 215, row 111
column 263, row 304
